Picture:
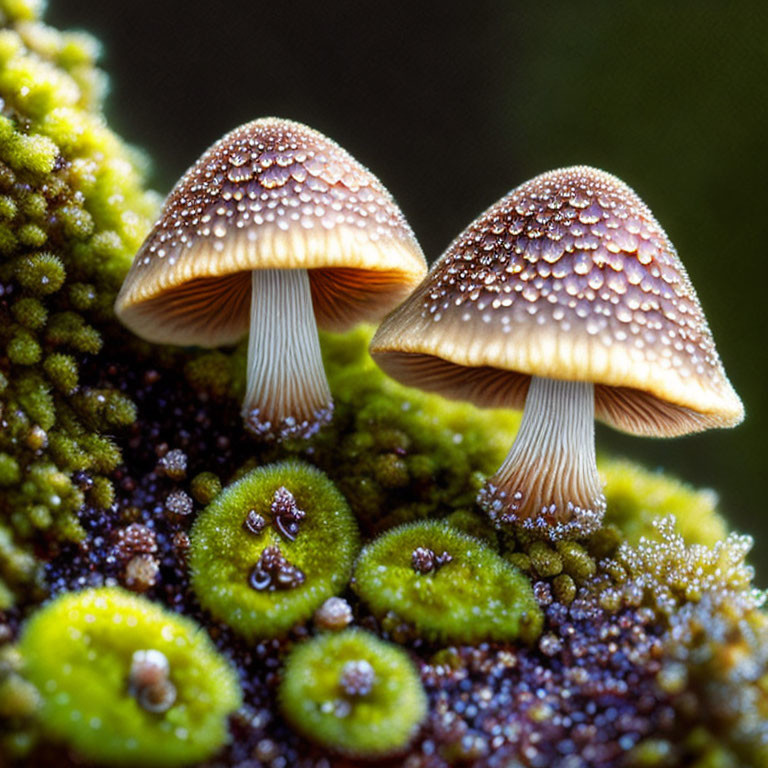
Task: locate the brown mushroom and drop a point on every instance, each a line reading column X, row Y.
column 565, row 297
column 273, row 231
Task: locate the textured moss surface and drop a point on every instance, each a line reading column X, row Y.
column 224, row 552
column 72, row 212
column 353, row 693
column 474, row 596
column 78, row 651
column 638, row 497
column 397, row 454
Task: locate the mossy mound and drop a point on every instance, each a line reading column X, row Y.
column 78, row 651
column 353, row 693
column 73, row 210
column 638, row 497
column 238, row 541
column 463, row 591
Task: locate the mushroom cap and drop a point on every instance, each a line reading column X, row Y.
column 567, row 277
column 271, row 194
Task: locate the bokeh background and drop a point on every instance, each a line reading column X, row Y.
column 452, row 104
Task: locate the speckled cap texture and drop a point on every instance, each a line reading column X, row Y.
column 272, row 194
column 567, row 277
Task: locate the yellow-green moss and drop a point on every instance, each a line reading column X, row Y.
column 77, row 651
column 375, row 719
column 474, row 596
column 224, row 553
column 637, row 497
column 73, row 211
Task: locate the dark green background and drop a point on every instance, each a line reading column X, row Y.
column 454, row 104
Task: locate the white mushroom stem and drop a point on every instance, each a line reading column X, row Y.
column 287, row 393
column 549, row 482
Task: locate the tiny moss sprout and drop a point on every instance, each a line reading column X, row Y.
column 353, row 693
column 447, row 585
column 125, row 682
column 271, row 548
column 205, row 487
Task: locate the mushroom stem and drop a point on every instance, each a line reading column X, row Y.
column 287, row 394
column 549, row 483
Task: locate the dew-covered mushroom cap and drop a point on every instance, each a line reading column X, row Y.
column 271, row 194
column 568, row 277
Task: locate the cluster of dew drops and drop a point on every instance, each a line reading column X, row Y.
column 274, row 173
column 576, row 248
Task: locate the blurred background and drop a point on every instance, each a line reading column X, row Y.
column 452, row 104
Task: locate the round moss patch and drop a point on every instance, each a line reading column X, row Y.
column 446, row 584
column 353, row 693
column 78, row 650
column 271, row 548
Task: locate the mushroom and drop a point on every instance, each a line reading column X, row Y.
column 273, row 231
column 565, row 297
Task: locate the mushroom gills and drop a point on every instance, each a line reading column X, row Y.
column 287, row 394
column 549, row 482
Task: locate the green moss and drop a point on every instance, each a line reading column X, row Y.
column 353, row 693
column 226, row 558
column 82, row 296
column 545, row 560
column 674, row 573
column 715, row 644
column 23, row 349
column 205, row 487
column 70, row 330
column 40, row 273
column 19, row 569
column 30, row 313
column 475, row 596
column 104, row 409
column 102, row 493
column 564, row 588
column 474, row 524
column 576, row 561
column 73, row 211
column 402, row 443
column 72, row 214
column 62, row 371
column 9, row 470
column 78, row 652
column 33, row 394
column 637, row 497
column 19, row 702
column 210, row 372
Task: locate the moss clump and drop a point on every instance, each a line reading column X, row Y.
column 715, row 643
column 472, row 595
column 400, row 454
column 72, row 213
column 638, row 497
column 205, row 487
column 19, row 705
column 78, row 652
column 473, row 524
column 353, row 693
column 271, row 548
column 673, row 573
